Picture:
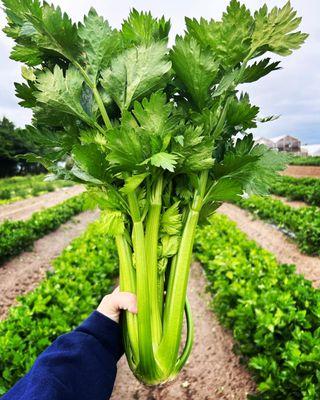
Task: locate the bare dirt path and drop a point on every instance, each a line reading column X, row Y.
column 23, row 273
column 301, row 171
column 275, row 241
column 291, row 203
column 23, row 209
column 213, row 370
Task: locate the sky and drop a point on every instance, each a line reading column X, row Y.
column 293, row 92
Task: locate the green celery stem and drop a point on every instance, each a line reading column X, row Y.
column 128, row 284
column 102, row 109
column 151, row 240
column 147, row 365
column 178, row 281
column 175, row 301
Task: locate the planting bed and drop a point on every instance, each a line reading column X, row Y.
column 16, row 236
column 291, row 203
column 272, row 311
column 301, row 171
column 302, row 224
column 302, row 189
column 23, row 209
column 271, row 239
column 24, row 272
column 305, row 160
column 21, row 187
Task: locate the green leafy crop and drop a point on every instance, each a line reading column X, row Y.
column 151, row 131
column 302, row 224
column 17, row 236
column 305, row 189
column 272, row 311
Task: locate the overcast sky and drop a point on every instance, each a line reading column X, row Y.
column 293, row 92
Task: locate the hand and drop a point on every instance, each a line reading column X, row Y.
column 113, row 303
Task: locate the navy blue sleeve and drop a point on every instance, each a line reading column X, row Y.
column 81, row 364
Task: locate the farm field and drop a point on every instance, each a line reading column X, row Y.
column 17, row 235
column 305, row 190
column 21, row 187
column 23, row 273
column 302, row 171
column 305, row 160
column 163, row 215
column 23, row 209
column 16, row 279
column 301, row 224
column 213, row 342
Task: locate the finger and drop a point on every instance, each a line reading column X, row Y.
column 126, row 301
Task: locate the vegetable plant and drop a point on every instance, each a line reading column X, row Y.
column 305, row 189
column 151, row 130
column 309, row 160
column 17, row 236
column 271, row 310
column 301, row 224
column 21, row 187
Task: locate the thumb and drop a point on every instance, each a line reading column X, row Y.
column 112, row 304
column 126, row 301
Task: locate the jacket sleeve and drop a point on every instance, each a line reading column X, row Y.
column 78, row 365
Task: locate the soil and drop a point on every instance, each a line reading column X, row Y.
column 213, row 370
column 291, row 203
column 24, row 272
column 270, row 238
column 301, row 171
column 23, row 209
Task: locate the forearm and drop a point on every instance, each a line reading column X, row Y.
column 78, row 365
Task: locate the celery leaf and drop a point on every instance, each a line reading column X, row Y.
column 135, row 73
column 196, row 68
column 62, row 93
column 101, row 42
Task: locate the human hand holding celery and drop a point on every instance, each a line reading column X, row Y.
column 112, row 304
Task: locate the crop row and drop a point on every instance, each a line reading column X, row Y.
column 302, row 224
column 81, row 275
column 16, row 236
column 305, row 160
column 272, row 311
column 21, row 187
column 304, row 189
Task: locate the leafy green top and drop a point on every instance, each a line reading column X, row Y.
column 121, row 109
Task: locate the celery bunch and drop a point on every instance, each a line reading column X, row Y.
column 151, row 131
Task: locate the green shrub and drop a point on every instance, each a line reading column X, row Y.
column 16, row 236
column 302, row 224
column 5, row 194
column 272, row 311
column 303, row 189
column 81, row 275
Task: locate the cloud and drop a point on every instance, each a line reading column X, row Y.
column 293, row 92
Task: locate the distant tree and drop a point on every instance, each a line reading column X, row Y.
column 14, row 142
